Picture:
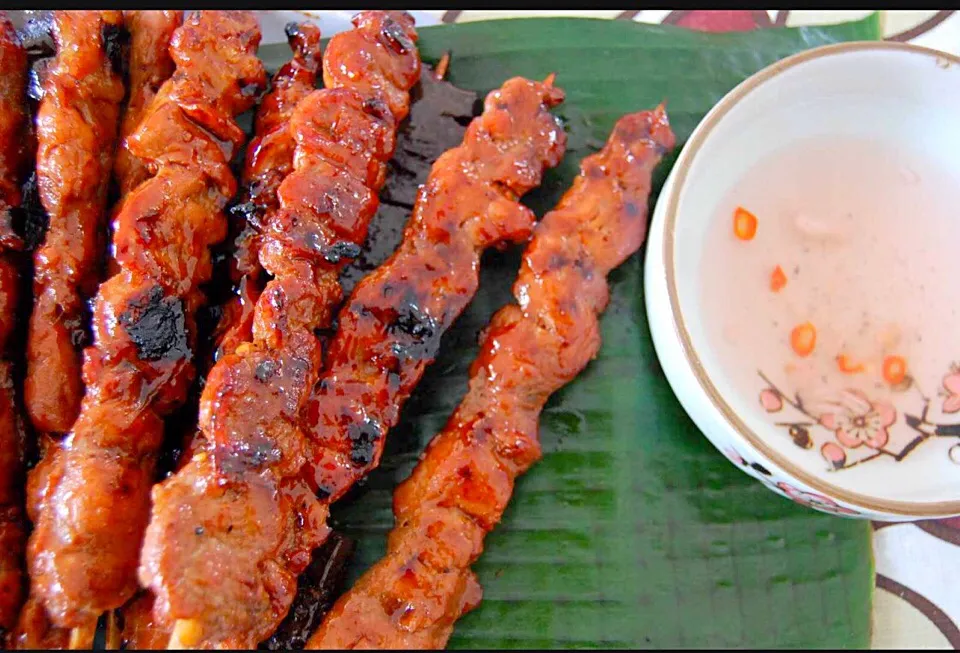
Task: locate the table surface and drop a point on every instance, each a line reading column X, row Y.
column 915, row 605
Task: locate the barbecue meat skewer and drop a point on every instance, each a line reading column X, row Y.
column 274, row 476
column 344, row 136
column 459, row 490
column 84, row 550
column 269, row 160
column 76, row 130
column 13, row 154
column 150, row 66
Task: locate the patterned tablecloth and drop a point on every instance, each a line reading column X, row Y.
column 917, row 603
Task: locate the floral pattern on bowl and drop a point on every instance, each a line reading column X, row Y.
column 858, row 429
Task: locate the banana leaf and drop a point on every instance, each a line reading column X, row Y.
column 632, row 531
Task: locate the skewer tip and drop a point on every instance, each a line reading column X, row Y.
column 441, row 70
column 186, row 634
column 112, row 640
column 548, row 82
column 81, row 637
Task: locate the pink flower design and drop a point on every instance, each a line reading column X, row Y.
column 860, row 421
column 815, row 500
column 834, row 454
column 951, row 383
column 770, row 400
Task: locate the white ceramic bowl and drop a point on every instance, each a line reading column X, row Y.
column 890, row 91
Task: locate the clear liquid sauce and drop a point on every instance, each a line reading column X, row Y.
column 869, row 246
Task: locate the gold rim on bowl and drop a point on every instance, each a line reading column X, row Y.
column 681, row 170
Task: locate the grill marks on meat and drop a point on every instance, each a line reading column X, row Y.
column 468, row 203
column 83, row 560
column 76, row 130
column 13, row 124
column 269, row 160
column 234, row 527
column 391, row 327
column 150, row 65
column 459, row 490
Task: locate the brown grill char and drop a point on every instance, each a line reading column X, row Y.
column 235, row 536
column 76, row 129
column 272, row 472
column 83, row 561
column 269, row 160
column 460, row 488
column 150, row 65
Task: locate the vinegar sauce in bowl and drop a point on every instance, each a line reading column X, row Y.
column 830, row 282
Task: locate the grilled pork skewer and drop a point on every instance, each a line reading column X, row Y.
column 76, row 130
column 84, row 550
column 13, row 155
column 459, row 490
column 344, row 136
column 270, row 477
column 269, row 160
column 150, row 66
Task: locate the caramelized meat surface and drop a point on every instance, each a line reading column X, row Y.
column 76, row 130
column 83, row 559
column 459, row 490
column 278, row 464
column 220, row 554
column 150, row 65
column 269, row 160
column 13, row 124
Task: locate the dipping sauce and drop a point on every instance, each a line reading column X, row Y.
column 847, row 289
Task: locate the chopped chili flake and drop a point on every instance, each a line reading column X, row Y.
column 778, row 279
column 847, row 366
column 803, row 339
column 894, row 370
column 744, row 224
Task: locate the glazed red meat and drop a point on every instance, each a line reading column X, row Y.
column 271, row 474
column 150, row 65
column 269, row 160
column 13, row 125
column 459, row 490
column 83, row 559
column 76, row 131
column 213, row 573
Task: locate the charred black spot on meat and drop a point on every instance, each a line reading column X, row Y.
column 363, row 436
column 30, row 219
column 417, row 334
column 338, row 251
column 252, row 453
column 265, row 370
column 377, row 108
column 115, row 39
column 157, row 325
column 396, row 36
